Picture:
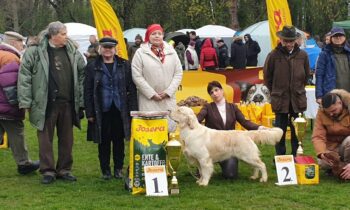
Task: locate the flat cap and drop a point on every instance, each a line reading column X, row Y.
column 108, row 41
column 14, row 35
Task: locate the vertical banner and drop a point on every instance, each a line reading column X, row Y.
column 107, row 24
column 278, row 15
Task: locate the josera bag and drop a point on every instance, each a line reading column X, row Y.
column 149, row 134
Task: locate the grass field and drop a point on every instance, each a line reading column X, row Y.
column 91, row 192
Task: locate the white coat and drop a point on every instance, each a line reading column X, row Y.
column 151, row 76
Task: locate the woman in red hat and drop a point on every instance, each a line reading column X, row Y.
column 156, row 71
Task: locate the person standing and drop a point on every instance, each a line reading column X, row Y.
column 92, row 51
column 132, row 49
column 50, row 87
column 208, row 58
column 197, row 40
column 109, row 96
column 11, row 117
column 180, row 50
column 238, row 53
column 222, row 54
column 156, row 72
column 191, row 58
column 253, row 49
column 286, row 72
column 332, row 68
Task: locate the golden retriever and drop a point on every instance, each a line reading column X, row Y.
column 204, row 146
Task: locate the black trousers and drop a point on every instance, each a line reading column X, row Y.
column 229, row 168
column 112, row 133
column 282, row 121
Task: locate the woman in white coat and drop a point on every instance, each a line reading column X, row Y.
column 156, row 71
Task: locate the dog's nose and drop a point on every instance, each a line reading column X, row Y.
column 258, row 98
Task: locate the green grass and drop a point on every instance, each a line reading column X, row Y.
column 90, row 192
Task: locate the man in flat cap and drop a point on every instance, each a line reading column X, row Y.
column 50, row 87
column 286, row 72
column 109, row 95
column 11, row 117
column 332, row 68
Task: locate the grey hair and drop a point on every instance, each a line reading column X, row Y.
column 54, row 28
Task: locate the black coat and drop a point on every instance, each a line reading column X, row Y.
column 93, row 96
column 253, row 49
column 238, row 55
column 223, row 56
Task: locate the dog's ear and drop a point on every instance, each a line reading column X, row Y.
column 191, row 121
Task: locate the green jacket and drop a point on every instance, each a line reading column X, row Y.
column 33, row 82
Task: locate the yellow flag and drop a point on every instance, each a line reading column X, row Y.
column 278, row 16
column 107, row 24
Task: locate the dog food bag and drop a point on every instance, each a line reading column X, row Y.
column 149, row 135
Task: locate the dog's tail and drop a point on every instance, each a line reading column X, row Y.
column 269, row 136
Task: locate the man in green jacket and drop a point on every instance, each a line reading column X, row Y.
column 50, row 88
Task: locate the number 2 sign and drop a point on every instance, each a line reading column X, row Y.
column 285, row 170
column 156, row 181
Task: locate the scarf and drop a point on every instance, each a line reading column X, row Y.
column 158, row 51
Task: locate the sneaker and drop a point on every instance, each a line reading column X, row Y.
column 26, row 169
column 107, row 175
column 118, row 173
column 47, row 179
column 67, row 177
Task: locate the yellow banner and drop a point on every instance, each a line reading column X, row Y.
column 107, row 24
column 278, row 16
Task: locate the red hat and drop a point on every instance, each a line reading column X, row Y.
column 150, row 30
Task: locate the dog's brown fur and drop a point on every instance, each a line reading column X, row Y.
column 338, row 165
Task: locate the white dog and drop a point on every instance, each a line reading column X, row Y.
column 204, row 146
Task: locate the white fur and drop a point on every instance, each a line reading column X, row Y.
column 204, row 146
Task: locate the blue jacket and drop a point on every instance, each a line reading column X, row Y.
column 325, row 70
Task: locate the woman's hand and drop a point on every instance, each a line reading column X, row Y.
column 163, row 95
column 156, row 97
column 91, row 119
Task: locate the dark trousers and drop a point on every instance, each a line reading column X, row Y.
column 229, row 168
column 60, row 116
column 282, row 121
column 112, row 132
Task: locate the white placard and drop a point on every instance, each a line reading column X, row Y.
column 156, row 181
column 285, row 168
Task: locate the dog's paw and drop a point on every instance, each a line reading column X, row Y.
column 202, row 183
column 254, row 177
column 262, row 179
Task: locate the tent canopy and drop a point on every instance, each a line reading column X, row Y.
column 213, row 31
column 131, row 33
column 80, row 33
column 260, row 32
column 343, row 24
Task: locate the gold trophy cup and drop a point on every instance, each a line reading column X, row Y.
column 300, row 130
column 173, row 148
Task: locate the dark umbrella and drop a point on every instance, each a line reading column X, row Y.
column 177, row 37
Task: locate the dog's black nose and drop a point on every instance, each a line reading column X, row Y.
column 258, row 98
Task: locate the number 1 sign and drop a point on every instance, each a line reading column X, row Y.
column 156, row 181
column 285, row 170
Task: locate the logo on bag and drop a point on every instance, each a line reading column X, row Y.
column 150, row 129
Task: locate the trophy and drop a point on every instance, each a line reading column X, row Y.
column 300, row 130
column 173, row 148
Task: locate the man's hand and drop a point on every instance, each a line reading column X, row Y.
column 156, row 97
column 346, row 172
column 326, row 160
